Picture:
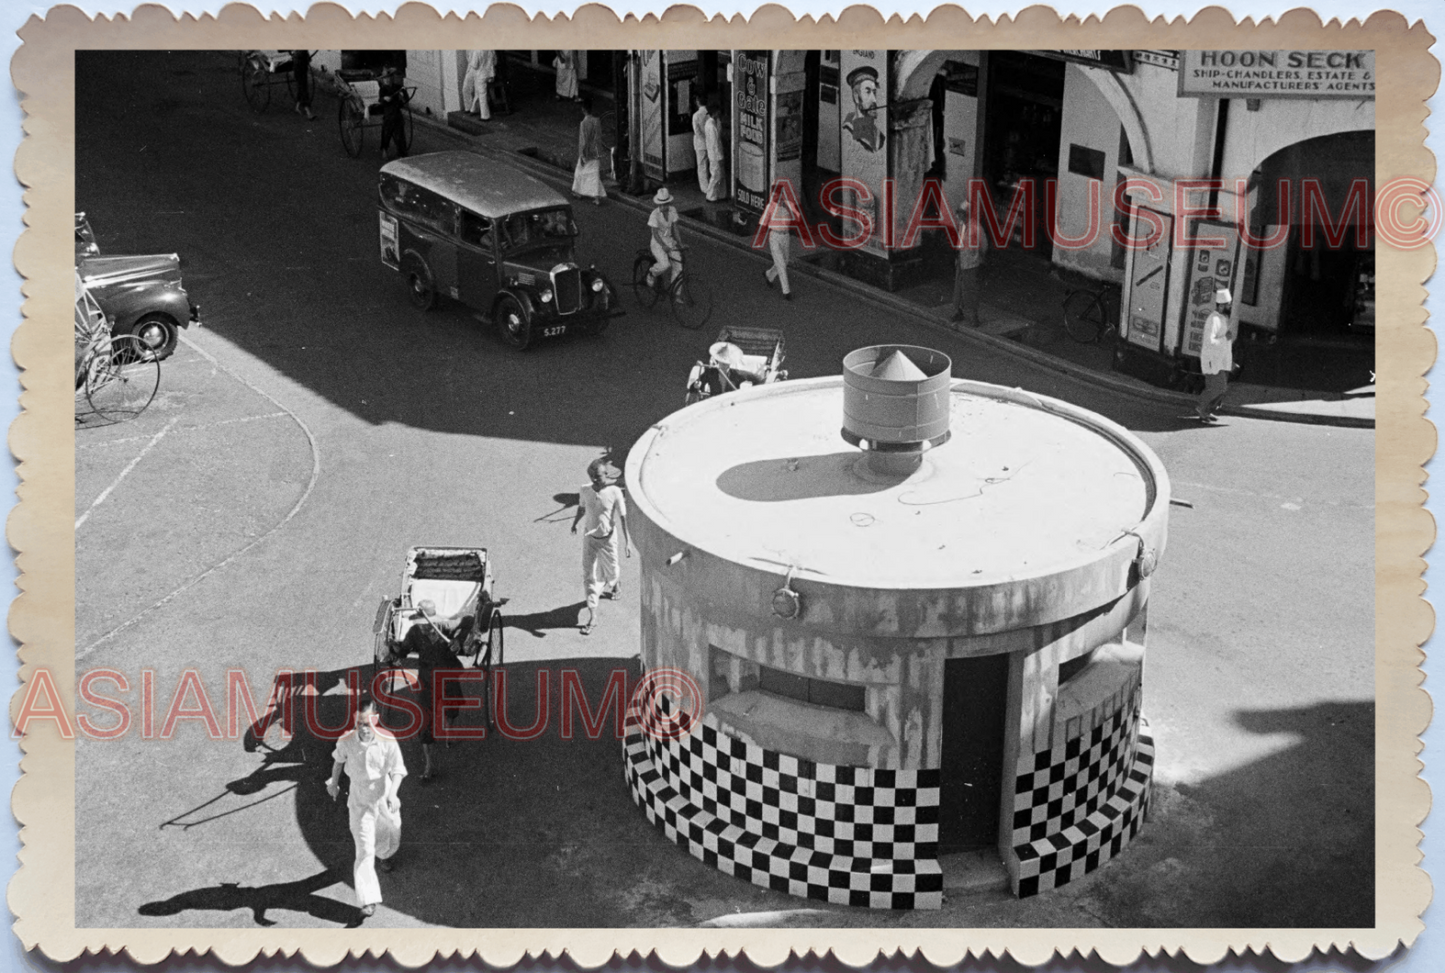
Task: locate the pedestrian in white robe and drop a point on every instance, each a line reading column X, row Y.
column 566, row 64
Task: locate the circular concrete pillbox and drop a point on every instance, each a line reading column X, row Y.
column 1020, row 543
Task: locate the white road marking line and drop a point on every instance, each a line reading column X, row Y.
column 301, row 502
column 124, row 473
column 212, row 425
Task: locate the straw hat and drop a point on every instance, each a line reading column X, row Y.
column 1222, row 296
column 663, row 197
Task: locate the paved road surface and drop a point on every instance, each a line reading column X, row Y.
column 318, row 425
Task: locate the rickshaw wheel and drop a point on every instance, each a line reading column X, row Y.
column 513, row 322
column 349, row 116
column 254, row 85
column 421, row 289
column 494, row 649
column 494, row 636
column 406, row 131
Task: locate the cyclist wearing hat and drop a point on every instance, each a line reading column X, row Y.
column 1216, row 356
column 666, row 244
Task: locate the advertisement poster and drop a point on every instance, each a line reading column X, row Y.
column 388, row 241
column 1210, row 269
column 650, row 122
column 750, row 90
column 864, row 137
column 790, row 125
column 1149, row 284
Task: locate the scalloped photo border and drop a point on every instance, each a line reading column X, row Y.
column 41, row 894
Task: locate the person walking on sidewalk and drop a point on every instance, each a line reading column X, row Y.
column 481, row 68
column 604, row 509
column 587, row 178
column 666, row 244
column 1216, row 356
column 566, row 64
column 392, row 95
column 780, row 242
column 372, row 761
column 699, row 142
column 716, row 165
column 968, row 272
column 301, row 74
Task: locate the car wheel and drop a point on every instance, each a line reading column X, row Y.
column 514, row 324
column 158, row 333
column 421, row 288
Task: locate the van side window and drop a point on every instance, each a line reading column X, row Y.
column 476, row 230
column 418, row 205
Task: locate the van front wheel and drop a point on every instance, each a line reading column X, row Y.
column 513, row 322
column 420, row 287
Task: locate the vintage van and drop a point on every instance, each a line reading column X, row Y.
column 459, row 225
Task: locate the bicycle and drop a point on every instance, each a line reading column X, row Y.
column 689, row 296
column 1089, row 316
column 116, row 375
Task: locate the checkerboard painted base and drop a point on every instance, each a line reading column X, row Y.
column 846, row 835
column 1080, row 803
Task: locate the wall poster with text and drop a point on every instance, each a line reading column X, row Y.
column 1149, row 281
column 864, row 132
column 1210, row 268
column 650, row 119
column 750, row 108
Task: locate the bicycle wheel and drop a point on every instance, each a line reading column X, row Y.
column 254, row 83
column 691, row 301
column 645, row 292
column 350, row 117
column 120, row 382
column 1083, row 317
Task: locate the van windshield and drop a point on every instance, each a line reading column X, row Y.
column 522, row 231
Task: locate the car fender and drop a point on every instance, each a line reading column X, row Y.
column 522, row 297
column 129, row 306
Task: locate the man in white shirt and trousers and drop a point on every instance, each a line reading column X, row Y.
column 372, row 760
column 604, row 508
column 1216, row 356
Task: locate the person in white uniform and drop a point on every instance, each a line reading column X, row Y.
column 780, row 243
column 481, row 69
column 699, row 142
column 1216, row 357
column 372, row 761
column 716, row 165
column 602, row 512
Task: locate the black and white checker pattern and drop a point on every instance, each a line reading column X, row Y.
column 1081, row 802
column 846, row 835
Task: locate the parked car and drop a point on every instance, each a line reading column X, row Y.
column 498, row 240
column 142, row 295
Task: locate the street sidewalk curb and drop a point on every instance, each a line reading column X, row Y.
column 547, row 170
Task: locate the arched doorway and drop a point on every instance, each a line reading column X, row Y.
column 1310, row 288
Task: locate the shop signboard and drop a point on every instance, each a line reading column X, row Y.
column 1277, row 74
column 1149, row 281
column 750, row 94
column 1210, row 268
column 1119, row 61
column 864, row 134
column 650, row 117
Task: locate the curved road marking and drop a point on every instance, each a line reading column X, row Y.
column 124, row 473
column 295, row 509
